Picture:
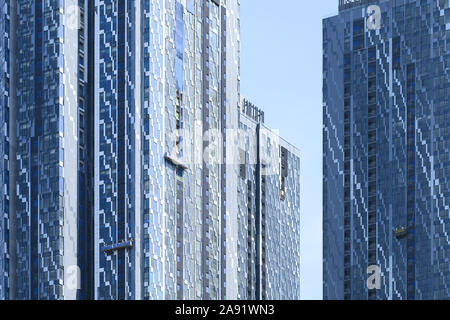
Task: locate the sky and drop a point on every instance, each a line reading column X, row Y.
column 281, row 73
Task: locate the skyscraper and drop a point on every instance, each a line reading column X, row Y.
column 177, row 236
column 161, row 87
column 386, row 150
column 44, row 99
column 119, row 135
column 5, row 85
column 268, row 222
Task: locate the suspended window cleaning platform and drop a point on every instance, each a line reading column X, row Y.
column 400, row 233
column 176, row 162
column 118, row 246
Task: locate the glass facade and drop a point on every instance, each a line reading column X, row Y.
column 115, row 147
column 4, row 148
column 182, row 219
column 125, row 176
column 268, row 211
column 386, row 147
column 174, row 197
column 40, row 128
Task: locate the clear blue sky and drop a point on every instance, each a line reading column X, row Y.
column 281, row 72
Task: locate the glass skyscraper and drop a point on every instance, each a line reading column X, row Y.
column 386, row 150
column 126, row 118
column 51, row 62
column 160, row 100
column 5, row 89
column 268, row 228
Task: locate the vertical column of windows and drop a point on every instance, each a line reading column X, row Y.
column 121, row 144
column 250, row 241
column 396, row 53
column 263, row 234
column 4, row 151
column 179, row 79
column 411, row 179
column 85, row 221
column 205, row 171
column 223, row 178
column 372, row 160
column 283, row 172
column 261, row 181
column 347, row 174
column 38, row 97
